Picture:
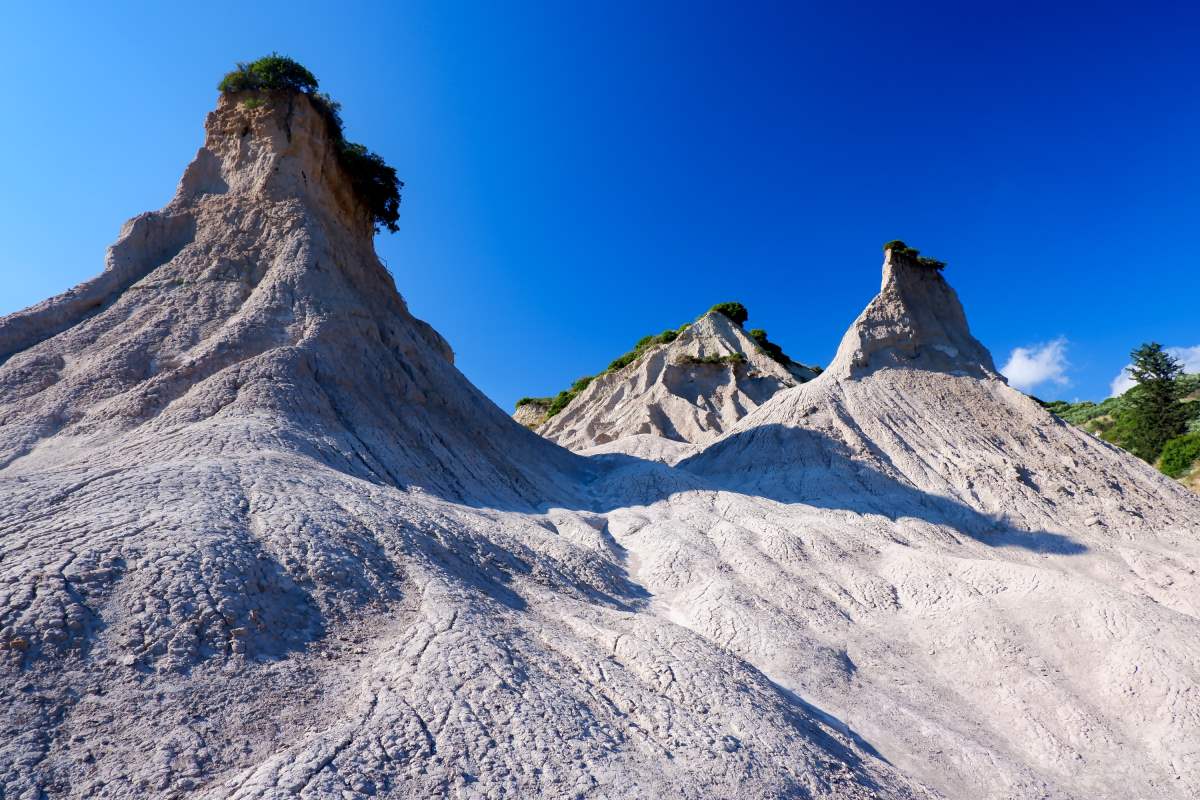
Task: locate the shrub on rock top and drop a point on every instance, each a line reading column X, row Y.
column 735, row 311
column 899, row 248
column 375, row 183
column 270, row 73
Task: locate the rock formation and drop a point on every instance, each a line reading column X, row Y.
column 259, row 538
column 684, row 392
column 532, row 414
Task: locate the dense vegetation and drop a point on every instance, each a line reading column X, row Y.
column 1180, row 454
column 900, row 248
column 736, row 312
column 375, row 183
column 1117, row 420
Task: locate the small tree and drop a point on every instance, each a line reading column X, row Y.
column 1157, row 413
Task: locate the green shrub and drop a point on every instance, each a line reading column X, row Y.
column 1180, row 454
column 643, row 344
column 733, row 359
column 735, row 311
column 374, row 182
column 534, row 401
column 899, row 248
column 270, row 73
column 564, row 398
column 767, row 346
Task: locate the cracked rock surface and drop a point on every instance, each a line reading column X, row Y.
column 259, row 538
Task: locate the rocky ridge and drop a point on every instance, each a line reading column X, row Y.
column 686, row 392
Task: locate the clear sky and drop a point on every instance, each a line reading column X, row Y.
column 581, row 174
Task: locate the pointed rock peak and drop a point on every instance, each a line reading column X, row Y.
column 915, row 321
column 716, row 325
column 256, row 298
column 273, row 135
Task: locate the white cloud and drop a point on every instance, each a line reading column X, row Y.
column 1030, row 367
column 1122, row 383
column 1190, row 356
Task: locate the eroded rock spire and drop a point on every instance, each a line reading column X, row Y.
column 916, row 321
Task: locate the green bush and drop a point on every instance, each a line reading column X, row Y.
column 643, row 344
column 270, row 73
column 733, row 359
column 1179, row 454
column 534, row 401
column 901, row 249
column 564, row 398
column 375, row 183
column 735, row 311
column 767, row 346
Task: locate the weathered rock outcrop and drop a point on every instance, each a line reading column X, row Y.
column 688, row 391
column 257, row 288
column 532, row 414
column 915, row 321
column 259, row 538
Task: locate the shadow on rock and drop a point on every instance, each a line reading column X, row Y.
column 805, row 467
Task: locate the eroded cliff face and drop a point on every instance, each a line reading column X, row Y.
column 685, row 392
column 257, row 291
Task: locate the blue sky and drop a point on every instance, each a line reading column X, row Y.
column 579, row 175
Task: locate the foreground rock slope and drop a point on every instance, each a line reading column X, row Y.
column 259, row 538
